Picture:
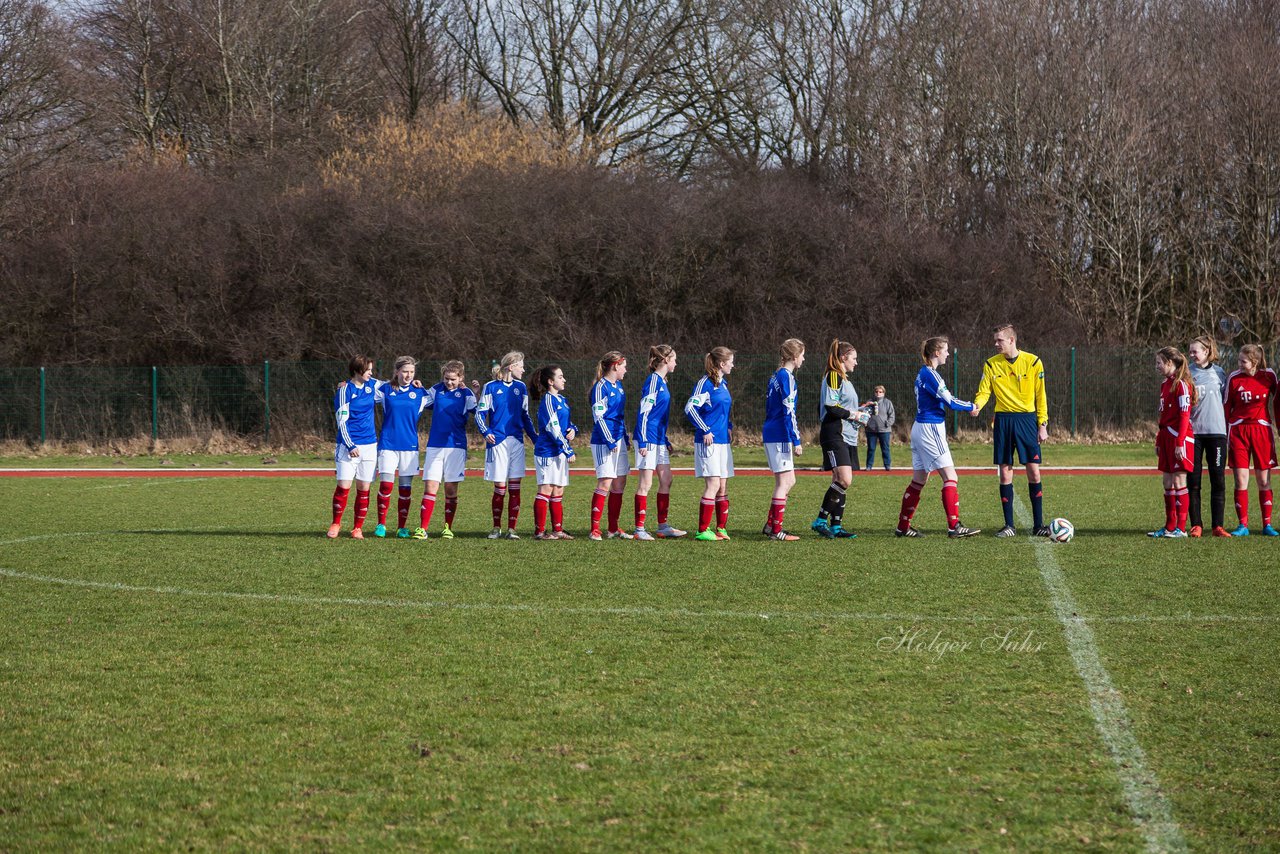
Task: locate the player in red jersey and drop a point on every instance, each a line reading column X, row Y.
column 1249, row 433
column 1175, row 445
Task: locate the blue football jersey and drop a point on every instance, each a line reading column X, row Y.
column 553, row 424
column 708, row 410
column 449, row 413
column 780, row 409
column 933, row 398
column 401, row 408
column 608, row 412
column 503, row 410
column 353, row 410
column 655, row 410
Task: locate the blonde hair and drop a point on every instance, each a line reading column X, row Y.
column 453, row 366
column 1181, row 372
column 658, row 354
column 403, row 361
column 933, row 346
column 1254, row 353
column 835, row 357
column 714, row 360
column 502, row 370
column 1210, row 346
column 607, row 361
column 791, row 349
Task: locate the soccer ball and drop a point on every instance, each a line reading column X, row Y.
column 1061, row 531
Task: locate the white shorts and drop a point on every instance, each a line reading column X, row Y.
column 611, row 463
column 445, row 465
column 390, row 462
column 504, row 461
column 712, row 460
column 781, row 456
column 657, row 455
column 362, row 468
column 552, row 471
column 929, row 450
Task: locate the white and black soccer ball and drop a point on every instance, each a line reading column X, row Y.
column 1061, row 531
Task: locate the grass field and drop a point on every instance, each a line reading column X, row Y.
column 188, row 663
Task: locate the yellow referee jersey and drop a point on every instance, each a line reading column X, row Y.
column 1018, row 385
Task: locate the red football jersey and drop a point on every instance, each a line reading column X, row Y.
column 1175, row 407
column 1247, row 396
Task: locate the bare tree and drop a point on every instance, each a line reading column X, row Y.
column 37, row 104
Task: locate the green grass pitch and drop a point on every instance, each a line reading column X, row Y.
column 189, row 663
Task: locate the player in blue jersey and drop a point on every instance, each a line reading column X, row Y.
column 609, row 443
column 402, row 404
column 552, row 452
column 782, row 435
column 708, row 410
column 503, row 418
column 929, row 451
column 356, row 454
column 451, row 404
column 653, row 451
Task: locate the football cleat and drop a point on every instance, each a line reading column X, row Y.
column 1196, row 531
column 1158, row 532
column 1268, row 531
column 1176, row 534
column 333, row 532
column 447, row 533
column 621, row 535
column 642, row 534
column 722, row 534
column 357, row 534
column 1242, row 531
column 767, row 530
column 511, row 534
column 667, row 532
column 1220, row 531
column 822, row 528
column 707, row 536
column 959, row 532
column 910, row 532
column 495, row 534
column 543, row 535
column 1006, row 531
column 1042, row 531
column 595, row 535
column 403, row 533
column 380, row 531
column 562, row 535
column 419, row 533
column 783, row 536
column 841, row 534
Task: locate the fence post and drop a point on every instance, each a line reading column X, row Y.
column 955, row 386
column 43, row 434
column 155, row 403
column 266, row 402
column 1073, row 392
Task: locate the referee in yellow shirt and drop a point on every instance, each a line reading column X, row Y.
column 1022, row 413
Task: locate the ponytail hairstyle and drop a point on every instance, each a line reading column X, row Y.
column 1181, row 372
column 358, row 365
column 791, row 349
column 454, row 366
column 502, row 370
column 542, row 381
column 607, row 361
column 1254, row 353
column 933, row 346
column 658, row 354
column 714, row 360
column 835, row 358
column 1210, row 346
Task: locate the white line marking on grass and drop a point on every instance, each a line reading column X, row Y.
column 1150, row 808
column 144, row 482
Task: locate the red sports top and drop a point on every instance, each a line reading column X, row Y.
column 1247, row 396
column 1175, row 408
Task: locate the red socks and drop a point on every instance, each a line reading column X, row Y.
column 402, row 508
column 384, row 500
column 664, row 504
column 513, row 507
column 557, row 513
column 450, row 508
column 910, row 500
column 339, row 503
column 541, row 506
column 1242, row 506
column 1264, row 498
column 706, row 509
column 722, row 511
column 428, row 507
column 598, row 500
column 642, row 509
column 951, row 502
column 362, row 507
column 499, row 492
column 615, row 510
column 1182, row 504
column 777, row 508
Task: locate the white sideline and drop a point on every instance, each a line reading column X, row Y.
column 1150, row 808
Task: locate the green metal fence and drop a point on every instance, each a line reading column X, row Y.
column 1088, row 389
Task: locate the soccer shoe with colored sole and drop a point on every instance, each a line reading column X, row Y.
column 1042, row 531
column 357, row 534
column 822, row 528
column 642, row 534
column 1196, row 531
column 722, row 534
column 1220, row 531
column 1175, row 534
column 380, row 531
column 621, row 535
column 841, row 534
column 447, row 533
column 543, row 535
column 707, row 536
column 1268, row 531
column 596, row 536
column 1159, row 532
column 667, row 532
column 910, row 532
column 495, row 534
column 1242, row 531
column 511, row 534
column 783, row 536
column 333, row 532
column 1006, row 532
column 959, row 532
column 404, row 533
column 562, row 535
column 419, row 533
